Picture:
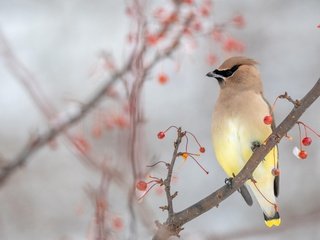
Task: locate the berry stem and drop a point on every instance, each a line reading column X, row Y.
column 170, row 128
column 187, row 142
column 199, row 164
column 273, row 204
column 300, row 136
column 194, row 138
column 306, row 126
column 157, row 181
column 274, row 105
column 146, row 192
column 152, row 165
column 194, row 154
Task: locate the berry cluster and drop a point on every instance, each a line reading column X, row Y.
column 142, row 185
column 162, row 135
column 304, row 141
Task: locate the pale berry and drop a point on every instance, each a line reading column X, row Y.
column 185, row 155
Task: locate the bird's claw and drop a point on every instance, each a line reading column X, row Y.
column 228, row 182
column 255, row 145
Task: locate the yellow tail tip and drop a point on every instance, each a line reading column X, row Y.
column 273, row 222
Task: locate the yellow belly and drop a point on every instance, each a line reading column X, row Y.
column 232, row 143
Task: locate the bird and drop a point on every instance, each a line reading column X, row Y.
column 238, row 129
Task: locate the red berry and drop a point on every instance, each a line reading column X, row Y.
column 306, row 141
column 141, row 185
column 197, row 26
column 275, row 172
column 233, row 45
column 188, row 1
column 268, row 119
column 212, row 59
column 303, row 154
column 205, row 11
column 82, row 144
column 202, row 149
column 163, row 78
column 152, row 39
column 161, row 135
column 239, row 21
column 117, row 223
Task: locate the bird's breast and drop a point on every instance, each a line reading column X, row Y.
column 236, row 124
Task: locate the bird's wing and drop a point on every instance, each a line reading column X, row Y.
column 266, row 187
column 246, row 195
column 276, row 183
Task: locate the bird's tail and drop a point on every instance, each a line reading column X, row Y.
column 272, row 221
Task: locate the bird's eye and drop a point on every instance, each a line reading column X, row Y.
column 234, row 68
column 228, row 73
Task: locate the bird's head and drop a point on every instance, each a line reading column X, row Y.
column 237, row 72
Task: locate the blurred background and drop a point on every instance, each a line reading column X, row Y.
column 66, row 45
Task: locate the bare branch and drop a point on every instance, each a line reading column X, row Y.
column 179, row 219
column 296, row 102
column 167, row 181
column 29, row 81
column 46, row 137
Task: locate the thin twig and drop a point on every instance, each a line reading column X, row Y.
column 26, row 78
column 167, row 181
column 173, row 46
column 29, row 81
column 54, row 131
column 140, row 72
column 179, row 219
column 296, row 102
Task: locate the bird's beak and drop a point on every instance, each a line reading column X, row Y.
column 212, row 74
column 216, row 76
column 209, row 74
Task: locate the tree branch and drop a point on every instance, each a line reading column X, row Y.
column 43, row 139
column 169, row 228
column 167, row 181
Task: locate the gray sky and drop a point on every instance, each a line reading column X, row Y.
column 59, row 41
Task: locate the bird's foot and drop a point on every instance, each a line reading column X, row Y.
column 228, row 182
column 255, row 145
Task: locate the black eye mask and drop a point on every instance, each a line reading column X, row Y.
column 228, row 72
